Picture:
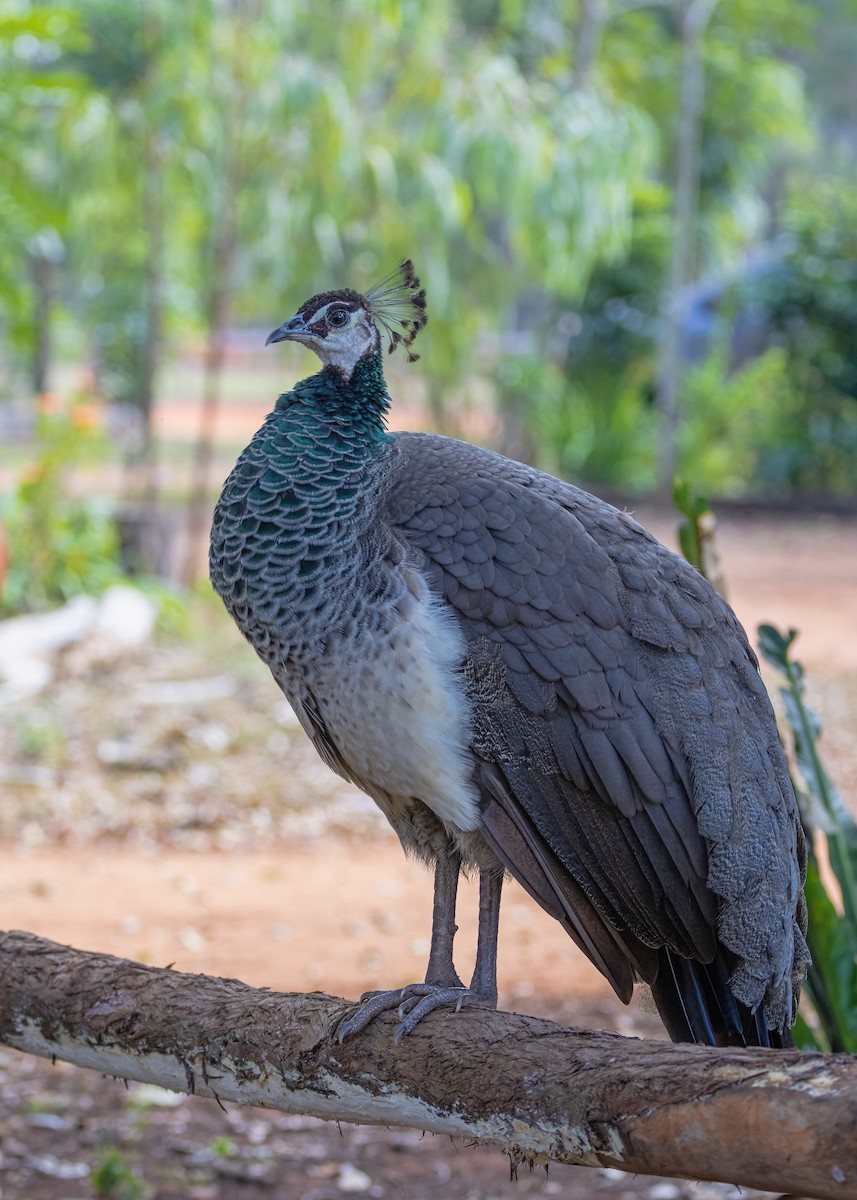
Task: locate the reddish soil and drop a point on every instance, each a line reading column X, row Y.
column 335, row 916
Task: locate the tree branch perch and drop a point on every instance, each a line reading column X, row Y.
column 775, row 1120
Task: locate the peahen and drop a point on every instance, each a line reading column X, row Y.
column 525, row 681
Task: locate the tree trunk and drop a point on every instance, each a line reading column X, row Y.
column 693, row 18
column 775, row 1120
column 590, row 27
column 224, row 245
column 220, row 271
column 198, row 508
column 154, row 224
column 42, row 270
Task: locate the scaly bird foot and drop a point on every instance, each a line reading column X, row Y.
column 413, row 1002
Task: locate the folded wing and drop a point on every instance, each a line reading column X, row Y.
column 629, row 770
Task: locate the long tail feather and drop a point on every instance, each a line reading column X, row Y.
column 696, row 1005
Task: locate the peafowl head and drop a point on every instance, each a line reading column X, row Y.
column 344, row 326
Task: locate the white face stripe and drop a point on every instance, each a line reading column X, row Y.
column 321, row 315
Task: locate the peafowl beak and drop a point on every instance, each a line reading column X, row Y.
column 294, row 330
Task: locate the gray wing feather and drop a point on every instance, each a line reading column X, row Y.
column 619, row 707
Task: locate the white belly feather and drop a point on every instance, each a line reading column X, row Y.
column 396, row 710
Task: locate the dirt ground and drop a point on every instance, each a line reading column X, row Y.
column 169, row 810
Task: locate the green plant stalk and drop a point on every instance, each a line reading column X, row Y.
column 831, row 945
column 820, row 783
column 696, row 534
column 832, row 980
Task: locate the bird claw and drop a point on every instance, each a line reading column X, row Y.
column 372, row 1004
column 406, row 1006
column 429, row 1000
column 411, row 1003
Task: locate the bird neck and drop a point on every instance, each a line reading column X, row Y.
column 357, row 404
column 287, row 530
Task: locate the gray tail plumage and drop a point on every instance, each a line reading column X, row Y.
column 697, row 1005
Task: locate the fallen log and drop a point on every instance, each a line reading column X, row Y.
column 775, row 1120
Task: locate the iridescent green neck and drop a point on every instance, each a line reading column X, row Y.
column 360, row 402
column 299, row 505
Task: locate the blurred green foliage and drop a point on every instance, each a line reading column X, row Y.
column 692, row 508
column 809, row 298
column 785, row 421
column 697, row 533
column 282, row 145
column 59, row 546
column 168, row 170
column 596, row 429
column 732, row 432
column 113, row 1176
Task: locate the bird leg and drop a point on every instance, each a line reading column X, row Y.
column 484, row 981
column 441, row 969
column 422, row 998
column 442, row 985
column 440, row 973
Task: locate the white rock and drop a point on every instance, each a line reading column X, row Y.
column 39, row 634
column 352, row 1179
column 125, row 617
column 122, row 619
column 187, row 691
column 28, row 646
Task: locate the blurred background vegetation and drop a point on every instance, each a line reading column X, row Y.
column 636, row 221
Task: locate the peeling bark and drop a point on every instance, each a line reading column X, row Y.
column 775, row 1120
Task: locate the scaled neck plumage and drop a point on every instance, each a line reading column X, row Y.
column 359, row 400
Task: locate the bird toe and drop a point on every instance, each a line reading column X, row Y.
column 412, row 1003
column 372, row 1005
